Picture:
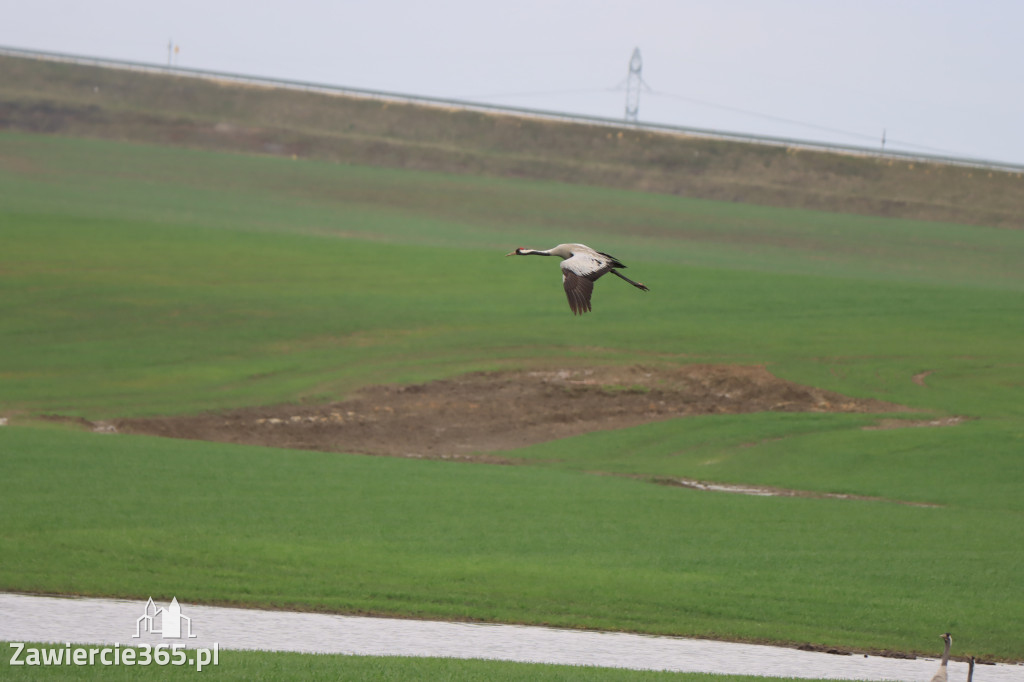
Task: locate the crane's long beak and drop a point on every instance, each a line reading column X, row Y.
column 511, row 254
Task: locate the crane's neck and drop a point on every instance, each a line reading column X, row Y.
column 945, row 654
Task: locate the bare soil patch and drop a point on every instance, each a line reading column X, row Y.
column 921, row 376
column 885, row 424
column 485, row 412
column 772, row 491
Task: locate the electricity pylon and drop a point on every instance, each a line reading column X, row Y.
column 634, row 81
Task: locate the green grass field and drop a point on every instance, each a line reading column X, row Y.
column 266, row 665
column 141, row 280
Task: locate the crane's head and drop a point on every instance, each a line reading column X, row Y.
column 518, row 252
column 946, row 637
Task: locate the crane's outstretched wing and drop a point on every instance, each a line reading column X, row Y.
column 578, row 290
column 578, row 276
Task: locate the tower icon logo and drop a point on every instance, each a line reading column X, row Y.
column 166, row 622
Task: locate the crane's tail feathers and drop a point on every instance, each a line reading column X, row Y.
column 638, row 285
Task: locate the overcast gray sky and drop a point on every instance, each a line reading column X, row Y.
column 938, row 76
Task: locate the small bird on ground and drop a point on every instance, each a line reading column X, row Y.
column 581, row 267
column 940, row 675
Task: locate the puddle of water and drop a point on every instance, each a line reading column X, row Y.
column 28, row 618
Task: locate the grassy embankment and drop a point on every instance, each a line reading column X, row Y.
column 68, row 99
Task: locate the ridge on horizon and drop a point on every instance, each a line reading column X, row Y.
column 85, row 97
column 738, row 136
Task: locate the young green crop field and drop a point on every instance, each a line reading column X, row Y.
column 144, row 280
column 267, row 665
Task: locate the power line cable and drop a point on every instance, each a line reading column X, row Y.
column 805, row 124
column 537, row 93
column 756, row 114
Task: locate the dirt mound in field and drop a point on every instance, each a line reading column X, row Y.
column 465, row 417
